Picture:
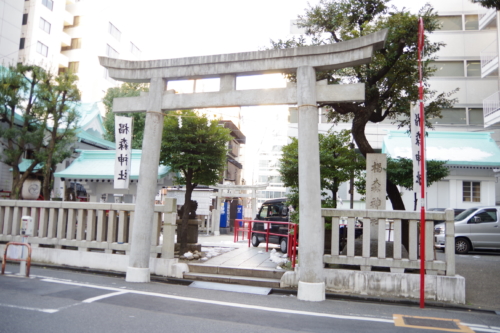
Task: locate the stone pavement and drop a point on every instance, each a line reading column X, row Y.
column 241, row 256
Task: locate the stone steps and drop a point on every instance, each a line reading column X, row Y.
column 235, row 275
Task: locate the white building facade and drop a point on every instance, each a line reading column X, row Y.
column 70, row 35
column 11, row 15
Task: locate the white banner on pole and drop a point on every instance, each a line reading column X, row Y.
column 415, row 149
column 123, row 158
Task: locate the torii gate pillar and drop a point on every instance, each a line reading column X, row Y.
column 138, row 268
column 311, row 238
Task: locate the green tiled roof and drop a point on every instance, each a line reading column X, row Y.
column 100, row 164
column 87, row 137
column 458, row 148
column 25, row 165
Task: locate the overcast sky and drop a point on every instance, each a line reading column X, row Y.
column 172, row 29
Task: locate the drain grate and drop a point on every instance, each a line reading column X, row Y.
column 436, row 324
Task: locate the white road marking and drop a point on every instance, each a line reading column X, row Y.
column 234, row 305
column 483, row 328
column 30, row 309
column 93, row 299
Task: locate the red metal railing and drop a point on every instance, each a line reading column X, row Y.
column 291, row 234
column 28, row 259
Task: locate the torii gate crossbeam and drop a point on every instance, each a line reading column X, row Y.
column 305, row 94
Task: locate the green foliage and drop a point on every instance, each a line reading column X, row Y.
column 127, row 89
column 338, row 163
column 59, row 99
column 392, row 76
column 488, row 3
column 400, row 172
column 197, row 149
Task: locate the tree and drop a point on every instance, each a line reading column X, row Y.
column 338, row 163
column 488, row 3
column 390, row 79
column 38, row 116
column 59, row 98
column 22, row 130
column 197, row 150
column 127, row 89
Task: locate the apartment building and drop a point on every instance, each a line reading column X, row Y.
column 70, row 35
column 11, row 15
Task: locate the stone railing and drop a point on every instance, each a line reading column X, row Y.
column 378, row 251
column 83, row 226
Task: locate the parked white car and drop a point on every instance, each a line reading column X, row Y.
column 475, row 228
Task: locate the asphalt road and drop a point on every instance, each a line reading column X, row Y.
column 63, row 301
column 482, row 278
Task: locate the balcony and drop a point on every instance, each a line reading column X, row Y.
column 489, row 59
column 68, row 18
column 65, row 39
column 62, row 60
column 487, row 18
column 491, row 109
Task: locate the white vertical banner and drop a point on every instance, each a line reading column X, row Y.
column 415, row 150
column 123, row 158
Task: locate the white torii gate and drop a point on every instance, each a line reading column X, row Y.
column 306, row 93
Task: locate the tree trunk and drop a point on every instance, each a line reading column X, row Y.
column 17, row 184
column 185, row 215
column 47, row 170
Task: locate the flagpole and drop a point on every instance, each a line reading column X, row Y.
column 423, row 184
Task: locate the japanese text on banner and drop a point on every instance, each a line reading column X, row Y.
column 123, row 158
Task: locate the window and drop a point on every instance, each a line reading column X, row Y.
column 111, row 52
column 44, row 25
column 42, row 49
column 134, row 49
column 451, row 116
column 114, row 31
column 25, row 19
column 73, row 66
column 450, row 22
column 486, row 215
column 48, row 3
column 471, row 22
column 448, row 68
column 21, row 43
column 471, row 191
column 473, row 68
column 476, row 116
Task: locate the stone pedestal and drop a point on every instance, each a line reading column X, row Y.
column 192, row 237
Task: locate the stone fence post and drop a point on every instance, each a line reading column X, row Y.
column 169, row 226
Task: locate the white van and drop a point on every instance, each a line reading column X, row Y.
column 475, row 228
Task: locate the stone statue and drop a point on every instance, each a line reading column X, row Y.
column 192, row 212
